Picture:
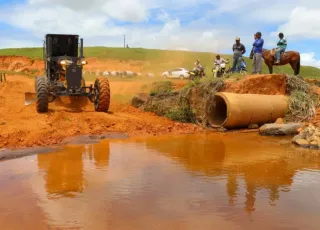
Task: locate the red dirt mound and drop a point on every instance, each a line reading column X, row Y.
column 21, row 64
column 274, row 84
column 36, row 66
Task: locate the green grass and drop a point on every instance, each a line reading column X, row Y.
column 157, row 61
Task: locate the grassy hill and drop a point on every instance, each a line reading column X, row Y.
column 160, row 60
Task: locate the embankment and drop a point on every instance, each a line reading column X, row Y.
column 33, row 66
column 254, row 100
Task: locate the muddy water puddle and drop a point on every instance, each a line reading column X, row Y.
column 233, row 181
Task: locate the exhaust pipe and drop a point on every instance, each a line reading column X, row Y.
column 49, row 46
column 81, row 47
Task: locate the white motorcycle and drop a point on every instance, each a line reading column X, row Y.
column 221, row 70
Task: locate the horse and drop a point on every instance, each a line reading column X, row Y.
column 288, row 57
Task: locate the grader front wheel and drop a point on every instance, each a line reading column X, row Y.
column 102, row 95
column 42, row 95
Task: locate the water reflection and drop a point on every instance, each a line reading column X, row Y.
column 190, row 182
column 263, row 165
column 63, row 171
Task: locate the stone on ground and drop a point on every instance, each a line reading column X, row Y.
column 280, row 129
column 139, row 99
column 308, row 137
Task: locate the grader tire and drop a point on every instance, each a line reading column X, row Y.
column 42, row 95
column 102, row 97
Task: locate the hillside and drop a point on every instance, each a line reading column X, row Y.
column 158, row 61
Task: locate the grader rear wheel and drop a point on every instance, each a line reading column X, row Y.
column 102, row 95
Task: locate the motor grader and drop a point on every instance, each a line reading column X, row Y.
column 64, row 62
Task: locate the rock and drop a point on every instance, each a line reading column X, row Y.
column 253, row 126
column 221, row 129
column 139, row 99
column 302, row 142
column 279, row 121
column 280, row 129
column 315, row 144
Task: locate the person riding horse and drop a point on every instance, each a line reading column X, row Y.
column 281, row 47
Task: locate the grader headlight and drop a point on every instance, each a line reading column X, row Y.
column 84, row 62
column 65, row 62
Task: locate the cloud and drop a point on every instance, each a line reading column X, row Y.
column 303, row 23
column 203, row 25
column 309, row 59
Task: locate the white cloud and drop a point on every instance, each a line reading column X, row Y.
column 303, row 23
column 211, row 28
column 309, row 59
column 163, row 16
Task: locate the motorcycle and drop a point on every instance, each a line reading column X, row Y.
column 196, row 73
column 220, row 71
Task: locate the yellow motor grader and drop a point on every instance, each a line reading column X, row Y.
column 63, row 75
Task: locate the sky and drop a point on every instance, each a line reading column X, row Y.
column 198, row 25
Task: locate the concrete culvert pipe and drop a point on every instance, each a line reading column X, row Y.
column 127, row 74
column 230, row 110
column 105, row 73
column 114, row 73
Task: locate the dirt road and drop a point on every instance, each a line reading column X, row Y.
column 22, row 126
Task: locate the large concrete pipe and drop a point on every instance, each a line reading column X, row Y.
column 127, row 74
column 232, row 110
column 114, row 73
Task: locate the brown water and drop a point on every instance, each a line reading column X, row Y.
column 200, row 182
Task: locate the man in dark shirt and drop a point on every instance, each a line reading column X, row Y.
column 238, row 50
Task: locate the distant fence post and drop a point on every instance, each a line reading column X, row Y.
column 3, row 77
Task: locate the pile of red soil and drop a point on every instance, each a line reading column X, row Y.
column 269, row 84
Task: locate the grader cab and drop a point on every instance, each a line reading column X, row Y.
column 64, row 62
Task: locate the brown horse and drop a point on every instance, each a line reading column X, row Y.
column 289, row 57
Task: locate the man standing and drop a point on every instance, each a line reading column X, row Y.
column 251, row 52
column 238, row 50
column 257, row 54
column 281, row 47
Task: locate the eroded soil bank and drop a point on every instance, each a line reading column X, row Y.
column 22, row 126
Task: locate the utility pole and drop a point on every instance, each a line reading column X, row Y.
column 124, row 41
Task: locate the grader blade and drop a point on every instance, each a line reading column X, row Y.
column 30, row 98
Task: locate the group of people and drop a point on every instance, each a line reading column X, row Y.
column 256, row 54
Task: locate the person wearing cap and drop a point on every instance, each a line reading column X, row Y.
column 281, row 47
column 257, row 54
column 238, row 50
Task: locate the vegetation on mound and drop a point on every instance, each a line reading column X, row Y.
column 182, row 113
column 189, row 104
column 302, row 100
column 158, row 88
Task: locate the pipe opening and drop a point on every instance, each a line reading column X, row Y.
column 217, row 111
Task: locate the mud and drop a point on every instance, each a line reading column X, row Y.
column 22, row 126
column 7, row 154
